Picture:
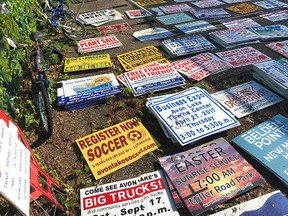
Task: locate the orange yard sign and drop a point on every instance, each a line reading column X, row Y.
column 115, row 147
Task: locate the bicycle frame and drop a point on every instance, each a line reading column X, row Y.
column 39, row 76
column 57, row 14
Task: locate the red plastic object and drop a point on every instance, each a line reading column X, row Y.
column 36, row 172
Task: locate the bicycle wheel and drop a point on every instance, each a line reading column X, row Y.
column 74, row 29
column 44, row 109
column 55, row 3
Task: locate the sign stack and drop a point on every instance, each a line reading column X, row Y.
column 271, row 32
column 268, row 143
column 190, row 115
column 81, row 92
column 100, row 17
column 196, row 26
column 246, row 98
column 234, row 37
column 209, row 174
column 186, row 45
column 153, row 33
column 239, row 23
column 85, row 63
column 115, row 147
column 200, row 66
column 242, row 56
column 214, row 13
column 280, row 47
column 138, row 58
column 274, row 74
column 151, row 78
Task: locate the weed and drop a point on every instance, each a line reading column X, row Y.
column 122, row 106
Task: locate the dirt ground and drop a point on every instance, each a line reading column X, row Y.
column 62, row 159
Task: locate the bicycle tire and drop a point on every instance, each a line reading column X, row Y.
column 44, row 110
column 74, row 29
column 55, row 3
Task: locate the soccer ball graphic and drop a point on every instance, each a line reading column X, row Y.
column 134, row 135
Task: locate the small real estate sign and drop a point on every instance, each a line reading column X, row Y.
column 268, row 143
column 147, row 194
column 115, row 147
column 87, row 63
column 209, row 174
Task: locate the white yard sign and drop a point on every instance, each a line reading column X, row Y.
column 14, row 170
column 192, row 115
column 145, row 195
column 246, row 98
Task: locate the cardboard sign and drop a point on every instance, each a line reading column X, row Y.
column 137, row 58
column 115, row 147
column 114, row 28
column 246, row 98
column 267, row 143
column 209, row 174
column 147, row 194
column 87, row 63
column 98, row 43
column 243, row 56
column 243, row 8
column 14, row 169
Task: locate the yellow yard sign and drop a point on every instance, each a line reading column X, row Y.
column 115, row 147
column 140, row 57
column 145, row 3
column 87, row 63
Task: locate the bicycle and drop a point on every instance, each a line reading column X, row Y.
column 40, row 82
column 72, row 28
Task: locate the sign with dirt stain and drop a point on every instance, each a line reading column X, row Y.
column 115, row 147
